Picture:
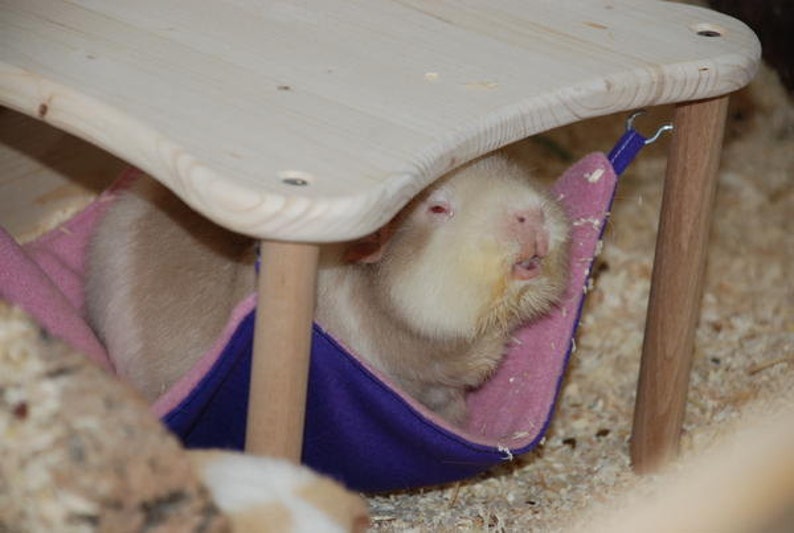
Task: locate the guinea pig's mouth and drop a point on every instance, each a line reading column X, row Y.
column 527, row 268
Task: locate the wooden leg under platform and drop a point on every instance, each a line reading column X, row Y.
column 677, row 281
column 282, row 343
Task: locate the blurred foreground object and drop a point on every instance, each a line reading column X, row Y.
column 80, row 451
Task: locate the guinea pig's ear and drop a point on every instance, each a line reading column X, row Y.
column 370, row 249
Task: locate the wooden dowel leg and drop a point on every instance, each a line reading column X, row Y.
column 677, row 281
column 282, row 343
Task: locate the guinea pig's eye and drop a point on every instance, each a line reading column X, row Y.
column 439, row 209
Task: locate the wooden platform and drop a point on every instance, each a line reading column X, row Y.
column 317, row 122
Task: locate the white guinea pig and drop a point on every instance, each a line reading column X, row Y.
column 430, row 300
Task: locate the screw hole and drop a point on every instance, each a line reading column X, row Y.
column 708, row 30
column 295, row 178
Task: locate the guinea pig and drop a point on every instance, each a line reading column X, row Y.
column 430, row 300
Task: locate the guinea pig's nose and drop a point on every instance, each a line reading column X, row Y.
column 529, row 230
column 532, row 237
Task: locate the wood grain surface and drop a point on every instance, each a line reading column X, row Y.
column 317, row 121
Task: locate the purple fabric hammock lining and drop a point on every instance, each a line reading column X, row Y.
column 359, row 428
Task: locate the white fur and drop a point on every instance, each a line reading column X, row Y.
column 263, row 488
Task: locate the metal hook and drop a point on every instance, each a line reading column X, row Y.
column 663, row 128
column 630, row 144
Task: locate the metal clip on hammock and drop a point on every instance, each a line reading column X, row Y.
column 629, row 145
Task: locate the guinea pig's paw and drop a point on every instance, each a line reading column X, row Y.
column 268, row 494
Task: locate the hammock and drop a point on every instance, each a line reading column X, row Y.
column 360, row 429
